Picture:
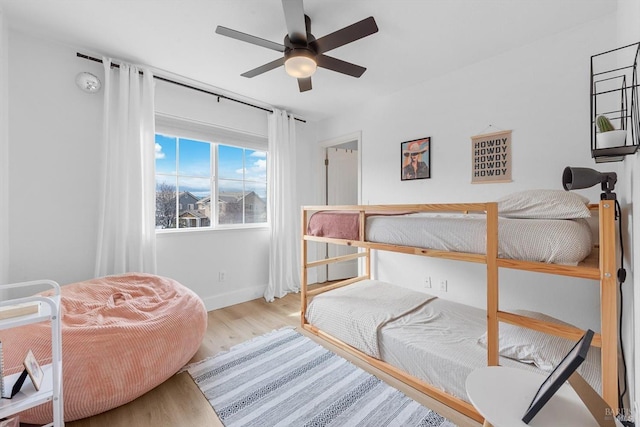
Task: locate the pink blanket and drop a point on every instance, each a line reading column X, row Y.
column 121, row 337
column 340, row 224
column 335, row 224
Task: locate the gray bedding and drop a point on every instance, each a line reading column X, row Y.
column 435, row 341
column 543, row 240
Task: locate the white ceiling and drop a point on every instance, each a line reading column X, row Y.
column 417, row 39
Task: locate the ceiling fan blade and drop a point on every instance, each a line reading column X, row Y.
column 349, row 34
column 249, row 38
column 304, row 84
column 339, row 65
column 296, row 21
column 264, row 68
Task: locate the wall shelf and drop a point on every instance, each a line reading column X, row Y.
column 614, row 94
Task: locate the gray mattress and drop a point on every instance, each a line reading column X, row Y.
column 436, row 342
column 542, row 240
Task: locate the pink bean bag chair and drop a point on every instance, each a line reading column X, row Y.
column 121, row 336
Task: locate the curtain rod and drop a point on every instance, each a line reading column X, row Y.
column 90, row 58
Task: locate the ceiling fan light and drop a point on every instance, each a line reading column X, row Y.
column 300, row 66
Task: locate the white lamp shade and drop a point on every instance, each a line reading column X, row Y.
column 300, row 66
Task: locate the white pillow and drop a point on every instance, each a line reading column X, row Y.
column 529, row 346
column 543, row 350
column 544, row 204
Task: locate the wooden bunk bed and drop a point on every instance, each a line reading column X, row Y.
column 600, row 265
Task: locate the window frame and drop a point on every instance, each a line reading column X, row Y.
column 179, row 127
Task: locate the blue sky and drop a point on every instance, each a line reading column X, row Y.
column 195, row 166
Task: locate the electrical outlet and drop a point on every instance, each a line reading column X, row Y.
column 442, row 285
column 221, row 276
column 427, row 282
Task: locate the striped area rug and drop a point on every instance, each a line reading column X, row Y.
column 285, row 379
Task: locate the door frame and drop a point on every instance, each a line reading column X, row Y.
column 324, row 145
column 355, row 136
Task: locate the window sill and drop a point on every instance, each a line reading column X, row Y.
column 227, row 228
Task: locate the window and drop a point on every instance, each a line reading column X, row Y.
column 193, row 172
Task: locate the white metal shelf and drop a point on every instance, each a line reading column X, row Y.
column 51, row 387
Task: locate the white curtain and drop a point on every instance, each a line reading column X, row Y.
column 126, row 234
column 283, row 208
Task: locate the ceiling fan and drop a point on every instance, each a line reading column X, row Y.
column 303, row 53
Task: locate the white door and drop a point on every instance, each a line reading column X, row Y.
column 342, row 189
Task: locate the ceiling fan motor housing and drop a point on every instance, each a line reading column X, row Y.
column 299, row 56
column 299, row 51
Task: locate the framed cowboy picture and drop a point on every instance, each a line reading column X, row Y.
column 415, row 159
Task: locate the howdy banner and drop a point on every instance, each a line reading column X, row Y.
column 491, row 157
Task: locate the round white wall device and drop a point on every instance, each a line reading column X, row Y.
column 88, row 82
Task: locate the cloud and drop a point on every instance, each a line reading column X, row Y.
column 261, row 154
column 197, row 186
column 260, row 165
column 257, row 171
column 159, row 153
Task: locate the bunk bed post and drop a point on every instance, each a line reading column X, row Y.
column 367, row 263
column 363, row 238
column 609, row 303
column 304, row 276
column 492, row 284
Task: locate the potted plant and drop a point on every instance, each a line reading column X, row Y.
column 609, row 136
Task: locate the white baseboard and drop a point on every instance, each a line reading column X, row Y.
column 226, row 299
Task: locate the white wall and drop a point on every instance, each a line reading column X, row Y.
column 629, row 32
column 4, row 153
column 54, row 143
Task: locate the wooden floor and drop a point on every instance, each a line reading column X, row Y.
column 178, row 402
